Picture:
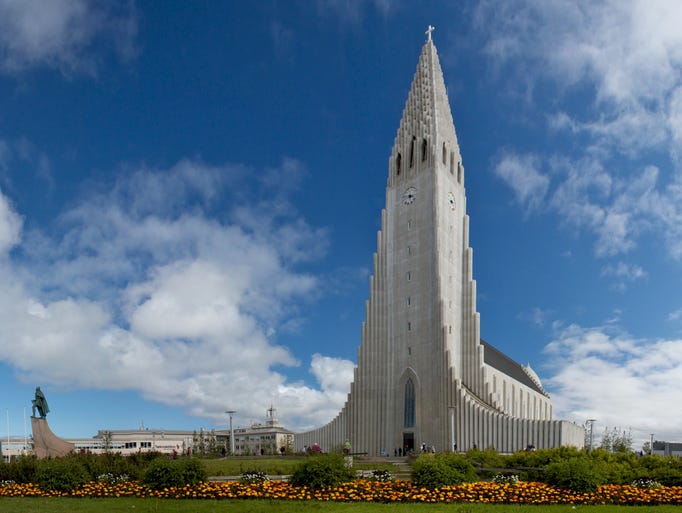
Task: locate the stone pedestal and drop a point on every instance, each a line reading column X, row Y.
column 45, row 443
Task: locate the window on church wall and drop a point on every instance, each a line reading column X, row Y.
column 398, row 162
column 425, row 147
column 445, row 155
column 412, row 151
column 409, row 301
column 452, row 162
column 409, row 275
column 409, row 326
column 410, row 399
column 459, row 172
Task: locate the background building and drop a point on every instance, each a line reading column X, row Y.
column 260, row 439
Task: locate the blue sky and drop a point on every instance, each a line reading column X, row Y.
column 190, row 194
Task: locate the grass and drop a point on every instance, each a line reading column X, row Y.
column 128, row 505
column 236, row 466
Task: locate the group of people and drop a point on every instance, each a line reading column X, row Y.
column 315, row 449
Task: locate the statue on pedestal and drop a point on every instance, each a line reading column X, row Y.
column 40, row 404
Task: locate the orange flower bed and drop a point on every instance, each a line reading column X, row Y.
column 371, row 491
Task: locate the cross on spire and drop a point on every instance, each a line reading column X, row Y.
column 428, row 32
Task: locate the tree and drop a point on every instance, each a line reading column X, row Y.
column 646, row 447
column 615, row 440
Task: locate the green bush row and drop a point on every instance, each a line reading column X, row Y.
column 63, row 474
column 566, row 467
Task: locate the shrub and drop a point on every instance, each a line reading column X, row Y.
column 22, row 470
column 667, row 476
column 321, row 472
column 577, row 474
column 61, row 474
column 165, row 473
column 442, row 470
column 111, row 464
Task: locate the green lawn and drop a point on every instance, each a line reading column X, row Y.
column 69, row 505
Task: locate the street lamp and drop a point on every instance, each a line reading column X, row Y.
column 230, row 413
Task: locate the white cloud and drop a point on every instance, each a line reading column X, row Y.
column 623, row 274
column 521, row 173
column 61, row 34
column 173, row 299
column 613, row 70
column 10, row 225
column 605, row 374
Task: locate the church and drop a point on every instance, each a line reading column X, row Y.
column 424, row 376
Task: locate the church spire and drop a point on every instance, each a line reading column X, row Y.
column 426, row 133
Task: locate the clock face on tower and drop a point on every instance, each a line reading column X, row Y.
column 451, row 200
column 409, row 195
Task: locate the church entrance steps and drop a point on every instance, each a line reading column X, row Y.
column 402, row 470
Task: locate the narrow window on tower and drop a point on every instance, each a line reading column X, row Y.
column 412, row 151
column 459, row 172
column 452, row 162
column 409, row 224
column 409, row 275
column 445, row 155
column 409, row 404
column 409, row 250
column 398, row 163
column 450, row 330
column 409, row 302
column 409, row 326
column 425, row 147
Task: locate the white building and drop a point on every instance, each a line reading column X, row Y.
column 270, row 438
column 423, row 374
column 15, row 447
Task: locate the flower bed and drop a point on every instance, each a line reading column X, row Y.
column 372, row 491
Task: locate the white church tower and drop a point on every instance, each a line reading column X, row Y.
column 424, row 376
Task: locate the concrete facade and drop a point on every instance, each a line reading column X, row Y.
column 424, row 375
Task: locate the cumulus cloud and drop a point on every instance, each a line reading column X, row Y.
column 603, row 372
column 147, row 286
column 62, row 34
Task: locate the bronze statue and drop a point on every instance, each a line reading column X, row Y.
column 40, row 403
